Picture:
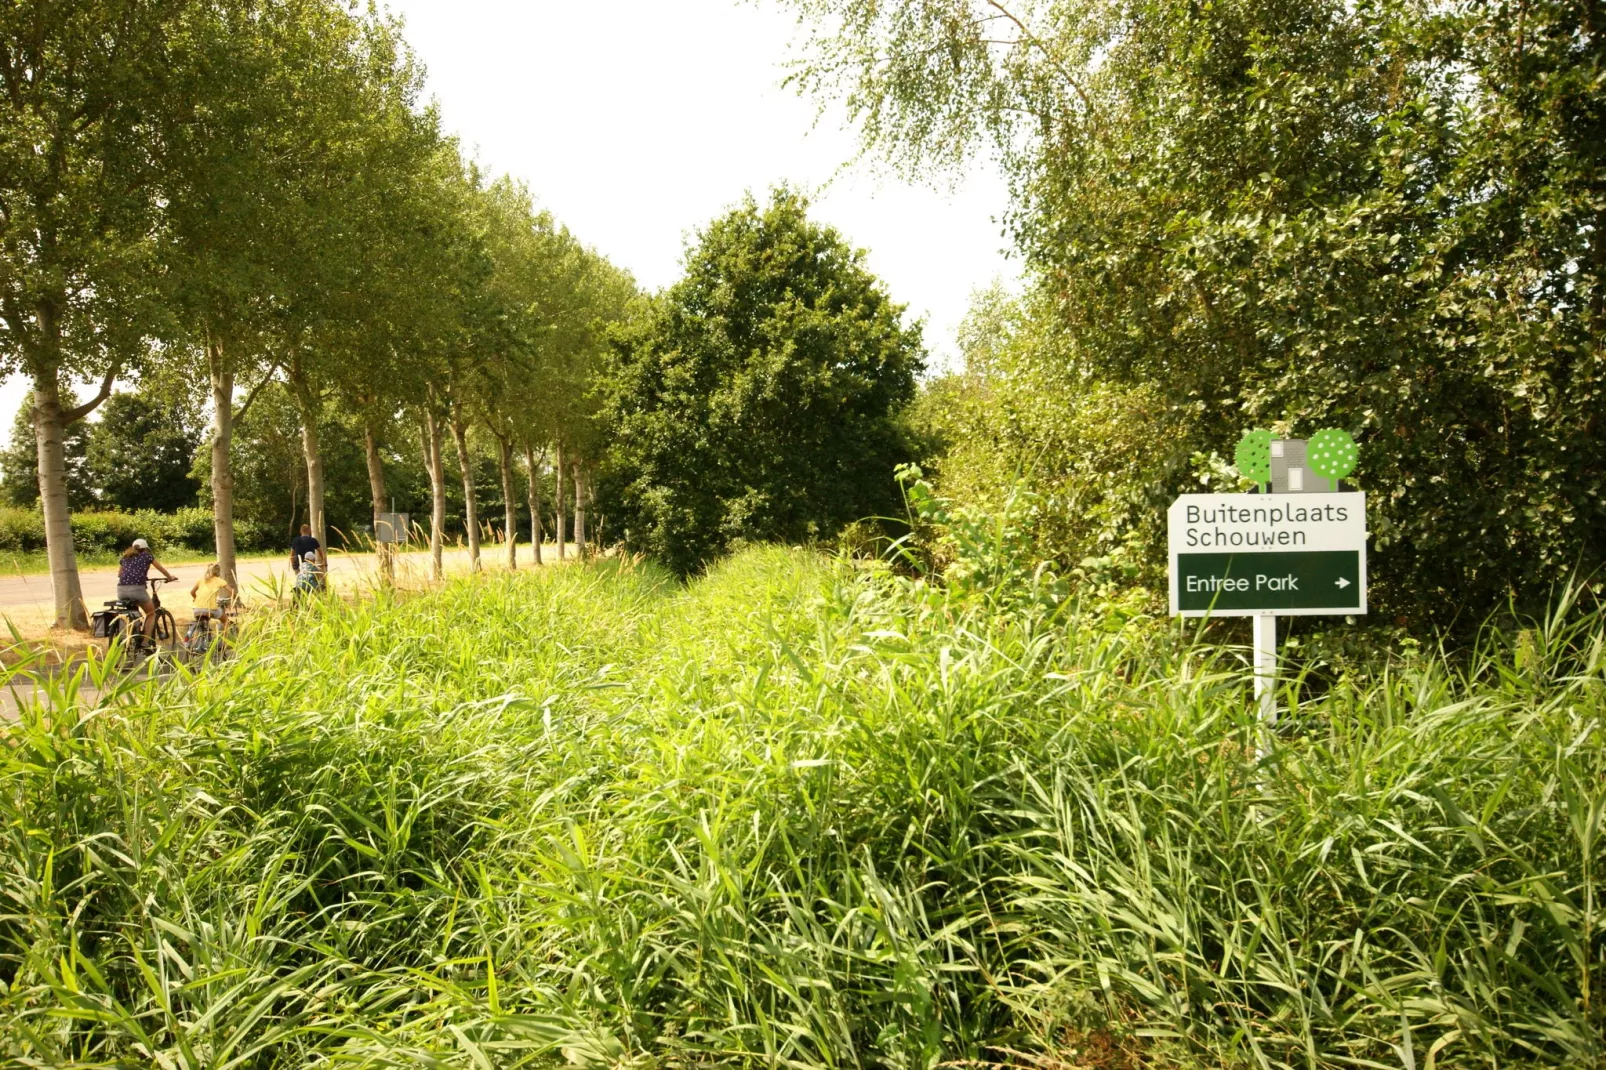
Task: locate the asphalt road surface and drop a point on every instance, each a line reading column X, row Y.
column 100, row 584
column 30, row 602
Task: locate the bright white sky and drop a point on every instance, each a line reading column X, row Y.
column 637, row 121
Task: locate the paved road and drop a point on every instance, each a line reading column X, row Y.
column 100, row 584
column 29, row 602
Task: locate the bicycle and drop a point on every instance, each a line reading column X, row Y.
column 205, row 637
column 122, row 619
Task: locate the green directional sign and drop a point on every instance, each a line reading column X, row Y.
column 1269, row 582
column 1242, row 555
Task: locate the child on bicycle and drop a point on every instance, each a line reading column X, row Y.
column 206, row 592
column 133, row 568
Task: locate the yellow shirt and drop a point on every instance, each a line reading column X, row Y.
column 206, row 594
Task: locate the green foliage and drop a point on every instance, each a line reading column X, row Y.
column 19, row 461
column 553, row 301
column 1385, row 218
column 987, row 554
column 758, row 398
column 85, row 88
column 140, row 452
column 102, row 532
column 805, row 815
column 1098, row 459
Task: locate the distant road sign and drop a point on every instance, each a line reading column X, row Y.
column 390, row 528
column 1238, row 555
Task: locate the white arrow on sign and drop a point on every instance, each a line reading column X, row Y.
column 1342, row 583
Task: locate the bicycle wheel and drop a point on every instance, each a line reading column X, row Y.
column 221, row 650
column 166, row 627
column 136, row 644
column 116, row 629
column 212, row 645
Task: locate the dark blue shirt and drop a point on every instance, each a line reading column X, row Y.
column 133, row 569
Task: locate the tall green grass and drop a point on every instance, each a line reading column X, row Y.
column 800, row 813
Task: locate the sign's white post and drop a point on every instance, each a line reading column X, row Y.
column 1266, row 556
column 1266, row 670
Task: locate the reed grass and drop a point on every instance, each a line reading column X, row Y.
column 801, row 813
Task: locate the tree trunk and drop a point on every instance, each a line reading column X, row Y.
column 222, row 471
column 314, row 456
column 437, row 490
column 376, row 491
column 471, row 516
column 579, row 512
column 510, row 510
column 557, row 502
column 535, row 502
column 48, row 428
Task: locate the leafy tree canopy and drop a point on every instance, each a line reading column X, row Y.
column 19, row 461
column 760, row 396
column 140, row 452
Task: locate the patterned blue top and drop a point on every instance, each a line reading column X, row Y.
column 131, row 572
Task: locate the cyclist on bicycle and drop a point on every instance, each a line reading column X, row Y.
column 206, row 592
column 132, row 570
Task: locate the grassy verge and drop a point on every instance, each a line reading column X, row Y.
column 801, row 814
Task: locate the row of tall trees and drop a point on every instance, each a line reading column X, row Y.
column 250, row 192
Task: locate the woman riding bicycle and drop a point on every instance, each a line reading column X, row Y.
column 207, row 591
column 132, row 571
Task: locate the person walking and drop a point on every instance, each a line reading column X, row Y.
column 133, row 570
column 305, row 545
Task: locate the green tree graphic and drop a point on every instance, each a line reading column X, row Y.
column 1253, row 457
column 1332, row 454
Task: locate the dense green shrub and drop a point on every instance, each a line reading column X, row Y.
column 141, row 448
column 1100, row 460
column 1293, row 215
column 759, row 398
column 99, row 533
column 21, row 529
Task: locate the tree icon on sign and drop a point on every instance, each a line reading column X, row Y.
column 1253, row 457
column 1332, row 454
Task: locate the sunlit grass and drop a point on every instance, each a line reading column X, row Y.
column 800, row 814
